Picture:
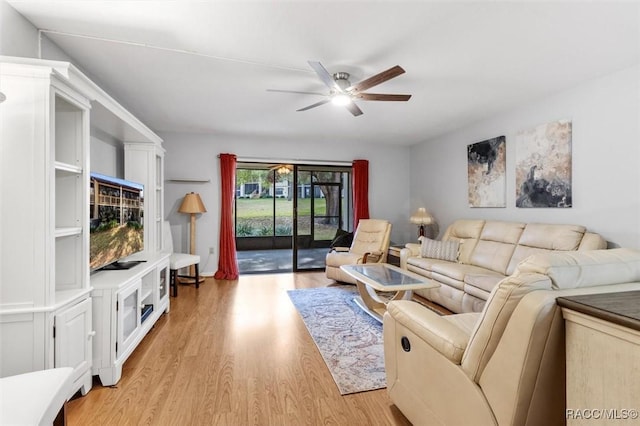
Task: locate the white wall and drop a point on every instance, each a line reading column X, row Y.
column 196, row 156
column 18, row 37
column 107, row 154
column 606, row 161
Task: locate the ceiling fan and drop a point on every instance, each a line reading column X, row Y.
column 342, row 92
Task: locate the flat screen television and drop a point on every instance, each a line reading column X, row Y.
column 116, row 211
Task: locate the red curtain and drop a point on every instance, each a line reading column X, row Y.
column 360, row 191
column 227, row 263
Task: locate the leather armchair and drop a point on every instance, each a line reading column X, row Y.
column 506, row 364
column 370, row 245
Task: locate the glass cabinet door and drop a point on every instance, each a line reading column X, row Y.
column 128, row 316
column 163, row 282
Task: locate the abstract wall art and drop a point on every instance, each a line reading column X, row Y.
column 543, row 166
column 486, row 167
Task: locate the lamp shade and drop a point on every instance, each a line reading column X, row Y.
column 421, row 217
column 192, row 203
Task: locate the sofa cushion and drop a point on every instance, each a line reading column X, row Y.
column 486, row 281
column 423, row 265
column 467, row 233
column 454, row 273
column 552, row 236
column 477, row 295
column 496, row 245
column 587, row 268
column 444, row 250
column 492, row 255
column 456, row 270
column 502, row 232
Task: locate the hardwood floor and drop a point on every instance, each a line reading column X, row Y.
column 231, row 353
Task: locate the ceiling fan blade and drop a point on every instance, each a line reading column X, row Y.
column 322, row 102
column 353, row 109
column 324, row 75
column 376, row 79
column 296, row 91
column 381, row 97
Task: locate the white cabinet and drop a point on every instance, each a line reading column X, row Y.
column 126, row 304
column 44, row 274
column 47, row 315
column 73, row 340
column 144, row 163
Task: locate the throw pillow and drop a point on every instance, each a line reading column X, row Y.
column 342, row 239
column 444, row 250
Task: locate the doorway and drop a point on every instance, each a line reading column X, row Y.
column 286, row 215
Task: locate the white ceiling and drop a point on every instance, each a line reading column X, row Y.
column 186, row 66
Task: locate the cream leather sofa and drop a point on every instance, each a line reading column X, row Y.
column 505, row 365
column 489, row 251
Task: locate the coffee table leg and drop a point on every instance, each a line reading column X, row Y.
column 403, row 295
column 372, row 304
column 369, row 297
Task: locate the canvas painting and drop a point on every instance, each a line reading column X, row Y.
column 543, row 166
column 486, row 173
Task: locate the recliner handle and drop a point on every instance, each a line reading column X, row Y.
column 405, row 343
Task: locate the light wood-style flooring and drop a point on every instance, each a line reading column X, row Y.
column 231, row 353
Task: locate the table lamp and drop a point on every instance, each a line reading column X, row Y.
column 192, row 204
column 422, row 217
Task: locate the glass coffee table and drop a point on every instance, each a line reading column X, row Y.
column 384, row 277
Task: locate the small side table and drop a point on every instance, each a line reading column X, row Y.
column 393, row 254
column 602, row 355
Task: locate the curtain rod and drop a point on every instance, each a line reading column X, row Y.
column 292, row 161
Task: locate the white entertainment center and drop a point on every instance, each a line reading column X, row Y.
column 53, row 311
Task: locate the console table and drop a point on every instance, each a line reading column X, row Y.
column 602, row 356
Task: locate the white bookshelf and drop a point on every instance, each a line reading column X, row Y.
column 53, row 313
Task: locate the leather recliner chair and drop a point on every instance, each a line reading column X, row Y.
column 506, row 364
column 370, row 245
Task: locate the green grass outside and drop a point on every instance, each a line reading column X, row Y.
column 253, row 208
column 255, row 217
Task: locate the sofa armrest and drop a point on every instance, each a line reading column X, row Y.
column 372, row 257
column 415, row 248
column 436, row 331
column 410, row 250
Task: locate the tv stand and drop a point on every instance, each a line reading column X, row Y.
column 126, row 304
column 119, row 266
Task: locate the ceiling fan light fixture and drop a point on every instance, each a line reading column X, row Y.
column 341, row 99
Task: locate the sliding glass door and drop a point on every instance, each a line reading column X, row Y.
column 320, row 210
column 287, row 215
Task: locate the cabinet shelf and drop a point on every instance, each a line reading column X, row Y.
column 68, row 231
column 67, row 168
column 147, row 293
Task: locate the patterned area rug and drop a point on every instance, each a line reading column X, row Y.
column 349, row 340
